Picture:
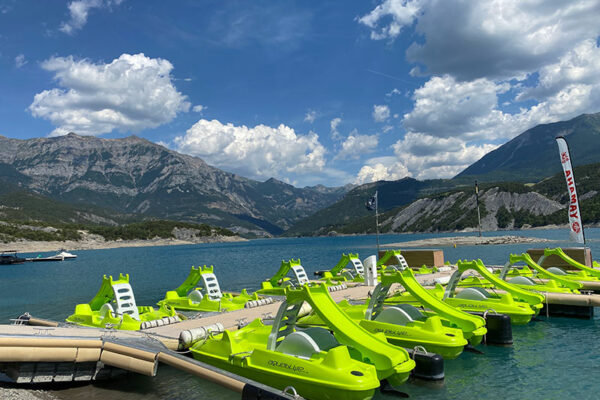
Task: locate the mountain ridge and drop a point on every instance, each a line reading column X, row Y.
column 134, row 175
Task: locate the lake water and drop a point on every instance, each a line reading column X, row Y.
column 552, row 358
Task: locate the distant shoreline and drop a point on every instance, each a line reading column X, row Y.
column 468, row 241
column 27, row 246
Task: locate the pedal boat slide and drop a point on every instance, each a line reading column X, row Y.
column 114, row 307
column 208, row 297
column 350, row 364
column 406, row 326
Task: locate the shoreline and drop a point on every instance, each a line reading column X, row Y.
column 468, row 241
column 27, row 246
column 95, row 242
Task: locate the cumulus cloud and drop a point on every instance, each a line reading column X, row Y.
column 20, row 61
column 541, row 58
column 397, row 13
column 198, row 108
column 580, row 66
column 381, row 169
column 493, row 39
column 260, row 152
column 393, row 92
column 79, row 11
column 310, row 116
column 381, row 113
column 355, row 146
column 333, row 127
column 444, row 107
column 131, row 93
column 428, row 157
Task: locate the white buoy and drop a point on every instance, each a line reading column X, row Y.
column 188, row 337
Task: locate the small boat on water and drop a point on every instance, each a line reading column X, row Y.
column 65, row 255
column 60, row 256
column 10, row 257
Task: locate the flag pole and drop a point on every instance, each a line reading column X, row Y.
column 377, row 221
column 478, row 213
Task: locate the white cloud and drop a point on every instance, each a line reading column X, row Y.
column 310, row 116
column 131, row 93
column 393, row 92
column 198, row 108
column 333, row 126
column 381, row 169
column 445, row 108
column 580, row 66
column 402, row 13
column 429, row 157
column 487, row 38
column 260, row 152
column 381, row 113
column 355, row 146
column 79, row 10
column 539, row 59
column 20, row 61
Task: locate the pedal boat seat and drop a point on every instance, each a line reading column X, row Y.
column 307, row 342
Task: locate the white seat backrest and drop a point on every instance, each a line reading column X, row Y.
column 358, row 266
column 556, row 271
column 106, row 309
column 471, row 294
column 322, row 337
column 195, row 296
column 125, row 300
column 300, row 274
column 521, row 280
column 211, row 285
column 394, row 315
column 411, row 310
column 298, row 344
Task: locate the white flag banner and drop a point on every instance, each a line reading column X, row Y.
column 575, row 222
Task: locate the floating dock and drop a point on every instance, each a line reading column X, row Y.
column 40, row 351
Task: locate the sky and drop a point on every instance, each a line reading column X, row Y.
column 308, row 92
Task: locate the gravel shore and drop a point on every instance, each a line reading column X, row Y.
column 99, row 243
column 467, row 241
column 24, row 394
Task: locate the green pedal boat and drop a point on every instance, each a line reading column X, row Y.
column 201, row 292
column 348, row 269
column 519, row 304
column 403, row 325
column 540, row 279
column 348, row 364
column 278, row 284
column 114, row 307
column 579, row 271
column 393, row 259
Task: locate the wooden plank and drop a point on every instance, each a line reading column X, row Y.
column 416, row 258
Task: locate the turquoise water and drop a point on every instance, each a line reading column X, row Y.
column 550, row 358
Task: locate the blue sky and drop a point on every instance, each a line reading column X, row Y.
column 308, row 92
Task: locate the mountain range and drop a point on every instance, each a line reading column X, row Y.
column 86, row 179
column 533, row 155
column 135, row 176
column 530, row 157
